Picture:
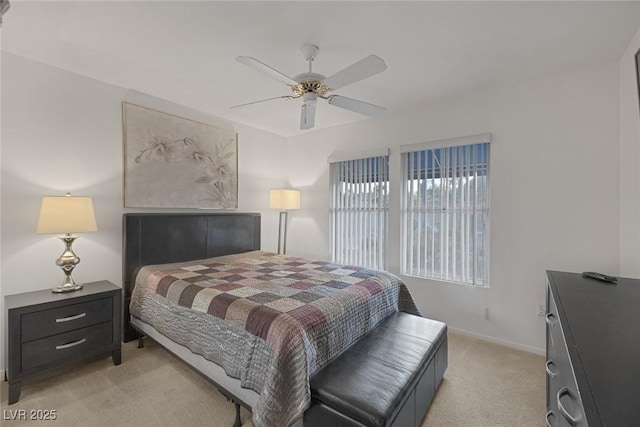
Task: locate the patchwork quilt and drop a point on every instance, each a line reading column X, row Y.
column 270, row 320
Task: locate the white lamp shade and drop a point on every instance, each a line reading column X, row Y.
column 66, row 214
column 285, row 199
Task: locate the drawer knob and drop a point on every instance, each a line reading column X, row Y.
column 548, row 369
column 564, row 391
column 70, row 318
column 71, row 344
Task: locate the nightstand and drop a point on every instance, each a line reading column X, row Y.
column 48, row 332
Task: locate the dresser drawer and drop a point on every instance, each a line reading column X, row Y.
column 80, row 343
column 55, row 321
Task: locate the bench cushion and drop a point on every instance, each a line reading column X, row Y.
column 370, row 382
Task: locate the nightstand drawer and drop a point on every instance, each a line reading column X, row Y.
column 54, row 321
column 81, row 342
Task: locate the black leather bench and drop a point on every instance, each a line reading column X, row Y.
column 387, row 379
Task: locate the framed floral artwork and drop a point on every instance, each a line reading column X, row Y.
column 173, row 162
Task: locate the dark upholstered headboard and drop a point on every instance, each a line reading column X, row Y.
column 166, row 237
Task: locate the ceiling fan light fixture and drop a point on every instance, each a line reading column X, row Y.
column 307, row 116
column 310, row 98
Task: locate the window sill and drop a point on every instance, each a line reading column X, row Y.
column 448, row 282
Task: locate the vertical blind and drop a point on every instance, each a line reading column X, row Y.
column 445, row 211
column 359, row 211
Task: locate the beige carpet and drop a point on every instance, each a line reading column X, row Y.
column 485, row 385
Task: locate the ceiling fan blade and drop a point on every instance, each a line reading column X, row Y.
column 362, row 69
column 308, row 116
column 264, row 68
column 263, row 100
column 370, row 110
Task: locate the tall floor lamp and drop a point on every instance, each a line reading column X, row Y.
column 284, row 200
column 67, row 214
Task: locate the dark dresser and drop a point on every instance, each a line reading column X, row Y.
column 593, row 351
column 48, row 332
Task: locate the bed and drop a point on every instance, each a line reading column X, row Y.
column 257, row 325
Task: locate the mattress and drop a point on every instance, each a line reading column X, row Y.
column 271, row 321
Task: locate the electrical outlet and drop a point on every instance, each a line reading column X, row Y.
column 541, row 311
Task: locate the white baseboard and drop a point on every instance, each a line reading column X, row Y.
column 527, row 348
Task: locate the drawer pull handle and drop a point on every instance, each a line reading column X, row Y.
column 549, row 415
column 548, row 369
column 564, row 391
column 70, row 318
column 549, row 319
column 71, row 344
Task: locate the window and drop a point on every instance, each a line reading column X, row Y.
column 445, row 210
column 359, row 209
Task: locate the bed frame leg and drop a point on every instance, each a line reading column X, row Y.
column 140, row 342
column 238, row 422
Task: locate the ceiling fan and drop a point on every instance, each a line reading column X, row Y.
column 310, row 86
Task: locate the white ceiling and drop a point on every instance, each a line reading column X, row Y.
column 184, row 51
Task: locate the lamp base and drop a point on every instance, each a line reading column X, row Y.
column 66, row 288
column 282, row 240
column 67, row 261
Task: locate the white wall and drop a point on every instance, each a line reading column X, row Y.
column 63, row 132
column 554, row 196
column 554, row 192
column 629, row 164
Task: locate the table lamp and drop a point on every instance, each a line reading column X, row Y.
column 284, row 200
column 67, row 214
